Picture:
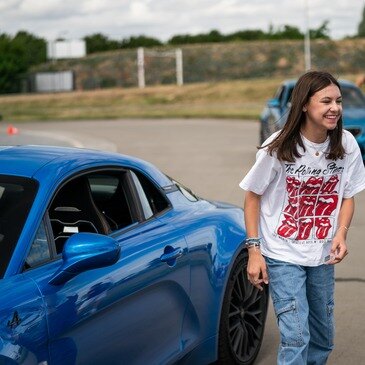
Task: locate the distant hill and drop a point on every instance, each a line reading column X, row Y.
column 214, row 62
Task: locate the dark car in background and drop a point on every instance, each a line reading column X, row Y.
column 276, row 110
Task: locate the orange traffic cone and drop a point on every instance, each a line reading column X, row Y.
column 11, row 130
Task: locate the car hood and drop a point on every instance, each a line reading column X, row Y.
column 354, row 116
column 222, row 205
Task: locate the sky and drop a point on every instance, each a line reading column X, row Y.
column 161, row 19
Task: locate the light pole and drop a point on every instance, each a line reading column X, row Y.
column 307, row 44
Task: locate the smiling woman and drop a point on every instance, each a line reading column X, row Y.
column 299, row 204
column 275, row 115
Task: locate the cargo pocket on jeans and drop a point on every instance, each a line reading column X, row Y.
column 331, row 324
column 288, row 322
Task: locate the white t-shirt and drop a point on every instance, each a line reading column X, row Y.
column 300, row 201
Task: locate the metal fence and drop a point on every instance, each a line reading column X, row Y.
column 214, row 62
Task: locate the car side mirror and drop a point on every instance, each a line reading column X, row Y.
column 85, row 251
column 273, row 103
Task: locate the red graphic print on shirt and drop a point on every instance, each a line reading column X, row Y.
column 311, row 186
column 305, row 227
column 306, row 205
column 326, row 204
column 323, row 226
column 292, row 208
column 288, row 226
column 310, row 206
column 330, row 186
column 292, row 186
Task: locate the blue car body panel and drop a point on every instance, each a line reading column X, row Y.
column 164, row 291
column 275, row 113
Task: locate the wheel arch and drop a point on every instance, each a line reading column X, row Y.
column 261, row 305
column 12, row 354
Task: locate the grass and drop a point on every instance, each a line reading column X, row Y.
column 241, row 99
column 234, row 99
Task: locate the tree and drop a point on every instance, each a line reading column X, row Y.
column 248, row 35
column 322, row 32
column 212, row 37
column 287, row 32
column 283, row 32
column 100, row 43
column 17, row 54
column 361, row 28
column 140, row 41
column 35, row 48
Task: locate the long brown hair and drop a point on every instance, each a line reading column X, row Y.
column 286, row 142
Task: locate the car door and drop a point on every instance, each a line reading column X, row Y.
column 132, row 311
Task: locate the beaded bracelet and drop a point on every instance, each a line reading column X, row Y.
column 253, row 242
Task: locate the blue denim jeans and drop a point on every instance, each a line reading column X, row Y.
column 303, row 302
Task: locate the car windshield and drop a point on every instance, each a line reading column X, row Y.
column 352, row 98
column 16, row 198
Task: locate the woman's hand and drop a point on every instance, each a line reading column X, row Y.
column 338, row 249
column 256, row 268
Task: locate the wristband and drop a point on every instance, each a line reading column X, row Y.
column 253, row 242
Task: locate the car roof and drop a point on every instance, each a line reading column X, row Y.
column 342, row 82
column 39, row 161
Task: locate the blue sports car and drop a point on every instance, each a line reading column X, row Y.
column 106, row 260
column 275, row 113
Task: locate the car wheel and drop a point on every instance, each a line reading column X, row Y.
column 243, row 317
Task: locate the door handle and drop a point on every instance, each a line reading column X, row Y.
column 171, row 254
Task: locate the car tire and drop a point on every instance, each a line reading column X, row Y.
column 242, row 319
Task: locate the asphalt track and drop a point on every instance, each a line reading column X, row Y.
column 211, row 157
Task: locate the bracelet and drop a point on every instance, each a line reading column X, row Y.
column 253, row 242
column 344, row 227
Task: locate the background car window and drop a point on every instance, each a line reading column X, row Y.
column 290, row 91
column 16, row 198
column 352, row 98
column 279, row 93
column 155, row 198
column 39, row 252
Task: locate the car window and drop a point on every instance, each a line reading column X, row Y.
column 102, row 202
column 283, row 94
column 279, row 93
column 352, row 98
column 146, row 206
column 16, row 198
column 96, row 202
column 152, row 199
column 289, row 94
column 111, row 193
column 39, row 252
